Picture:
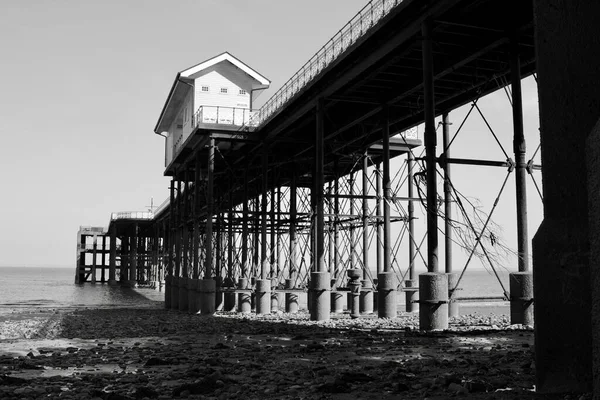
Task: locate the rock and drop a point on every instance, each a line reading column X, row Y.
column 457, row 389
column 335, row 386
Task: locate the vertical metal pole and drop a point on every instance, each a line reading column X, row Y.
column 320, row 278
column 134, row 256
column 103, row 260
column 351, row 182
column 263, row 285
column 209, row 210
column 336, row 222
column 178, row 231
column 430, row 150
column 113, row 254
column 519, row 147
column 521, row 282
column 184, row 227
column 379, row 220
column 365, row 217
column 411, row 217
column 273, row 239
column 386, row 280
column 230, row 236
column 278, row 236
column 318, row 191
column 170, row 260
column 263, row 233
column 197, row 208
column 433, row 286
column 387, row 192
column 447, row 195
column 94, row 258
column 453, row 306
column 293, row 221
column 245, row 228
column 330, row 224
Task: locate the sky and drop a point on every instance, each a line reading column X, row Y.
column 82, row 84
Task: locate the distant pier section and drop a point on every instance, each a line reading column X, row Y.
column 129, row 252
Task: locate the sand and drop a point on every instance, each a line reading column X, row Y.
column 161, row 354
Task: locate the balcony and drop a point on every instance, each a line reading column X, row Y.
column 223, row 116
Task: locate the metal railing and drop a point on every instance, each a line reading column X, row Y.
column 223, row 115
column 362, row 22
column 132, row 215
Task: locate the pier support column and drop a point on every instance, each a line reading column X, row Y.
column 112, row 267
column 207, row 287
column 321, row 295
column 263, row 296
column 366, row 294
column 453, row 306
column 133, row 258
column 244, row 300
column 320, row 279
column 183, row 293
column 386, row 281
column 433, row 299
column 291, row 299
column 521, row 308
column 263, row 285
column 411, row 295
column 430, row 299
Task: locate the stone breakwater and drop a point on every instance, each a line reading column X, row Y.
column 159, row 354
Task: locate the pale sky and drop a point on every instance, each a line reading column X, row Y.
column 82, row 84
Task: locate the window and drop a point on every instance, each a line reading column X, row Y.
column 242, row 92
column 205, row 88
column 224, row 90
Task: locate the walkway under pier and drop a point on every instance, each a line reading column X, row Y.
column 293, row 197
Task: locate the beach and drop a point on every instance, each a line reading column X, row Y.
column 152, row 353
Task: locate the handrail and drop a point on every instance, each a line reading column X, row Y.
column 361, row 23
column 131, row 215
column 208, row 114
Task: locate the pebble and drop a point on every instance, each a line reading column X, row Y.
column 129, row 354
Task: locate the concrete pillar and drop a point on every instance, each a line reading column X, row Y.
column 433, row 299
column 521, row 298
column 411, row 295
column 321, row 295
column 174, row 292
column 206, row 291
column 565, row 248
column 183, row 293
column 386, row 291
column 244, row 301
column 263, row 296
column 366, row 297
column 291, row 299
column 337, row 302
column 354, row 295
column 229, row 297
column 168, row 292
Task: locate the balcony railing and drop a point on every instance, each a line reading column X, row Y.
column 362, row 22
column 223, row 115
column 132, row 215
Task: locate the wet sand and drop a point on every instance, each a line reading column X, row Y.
column 151, row 353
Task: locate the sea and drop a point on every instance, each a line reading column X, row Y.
column 37, row 288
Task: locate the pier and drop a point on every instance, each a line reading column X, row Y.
column 309, row 194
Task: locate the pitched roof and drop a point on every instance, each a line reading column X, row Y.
column 220, row 58
column 263, row 83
